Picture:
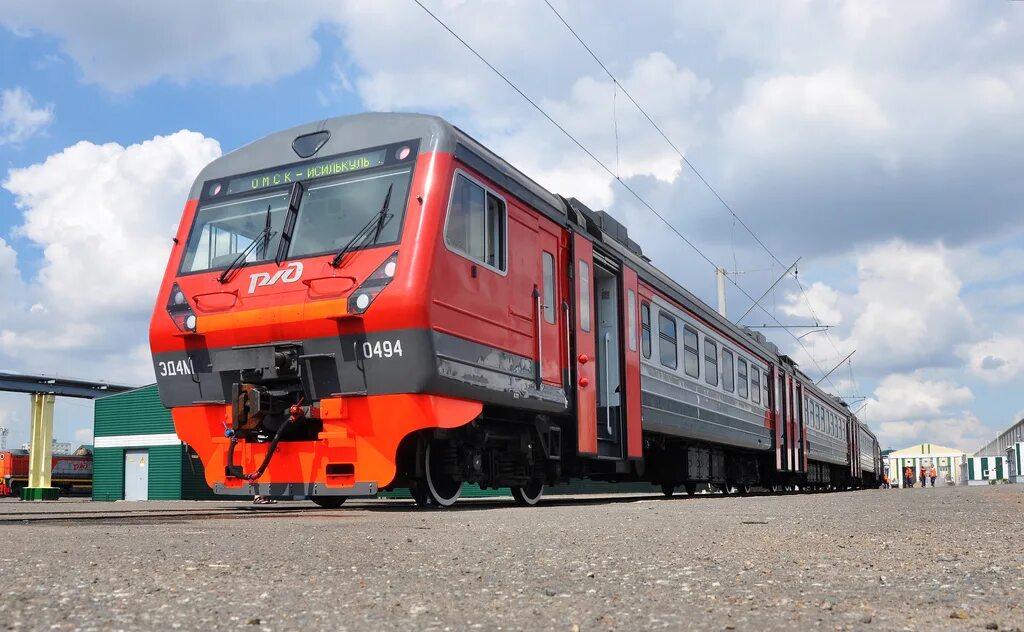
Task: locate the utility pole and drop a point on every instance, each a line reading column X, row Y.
column 721, row 291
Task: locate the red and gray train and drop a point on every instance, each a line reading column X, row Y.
column 379, row 301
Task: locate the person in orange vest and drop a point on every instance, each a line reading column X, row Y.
column 908, row 477
column 924, row 477
column 885, row 481
column 932, row 473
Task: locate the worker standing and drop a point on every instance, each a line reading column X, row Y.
column 908, row 477
column 924, row 477
column 932, row 473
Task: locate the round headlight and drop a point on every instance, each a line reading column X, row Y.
column 179, row 298
column 190, row 322
column 389, row 269
column 363, row 301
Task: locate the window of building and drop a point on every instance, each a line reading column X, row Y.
column 667, row 340
column 728, row 370
column 548, row 265
column 645, row 329
column 585, row 302
column 711, row 362
column 476, row 223
column 631, row 318
column 741, row 377
column 755, row 384
column 691, row 357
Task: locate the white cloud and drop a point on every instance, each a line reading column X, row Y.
column 821, row 303
column 963, row 431
column 903, row 397
column 906, row 311
column 20, row 119
column 123, row 45
column 997, row 359
column 103, row 217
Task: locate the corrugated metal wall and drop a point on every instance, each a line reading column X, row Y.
column 131, row 413
column 165, row 472
column 193, row 479
column 108, row 474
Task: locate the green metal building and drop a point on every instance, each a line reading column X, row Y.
column 137, row 455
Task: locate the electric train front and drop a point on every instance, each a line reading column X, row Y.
column 285, row 339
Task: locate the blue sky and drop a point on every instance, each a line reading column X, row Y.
column 880, row 142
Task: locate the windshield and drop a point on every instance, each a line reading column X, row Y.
column 224, row 230
column 329, row 215
column 332, row 213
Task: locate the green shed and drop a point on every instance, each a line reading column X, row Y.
column 137, row 455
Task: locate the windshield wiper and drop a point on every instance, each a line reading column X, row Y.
column 380, row 219
column 294, row 198
column 262, row 239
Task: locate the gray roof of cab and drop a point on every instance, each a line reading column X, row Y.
column 359, row 131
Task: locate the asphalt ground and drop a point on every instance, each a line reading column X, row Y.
column 943, row 558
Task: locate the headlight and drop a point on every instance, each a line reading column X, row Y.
column 364, row 295
column 180, row 311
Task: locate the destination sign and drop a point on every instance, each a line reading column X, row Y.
column 285, row 175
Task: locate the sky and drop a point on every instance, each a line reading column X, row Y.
column 879, row 143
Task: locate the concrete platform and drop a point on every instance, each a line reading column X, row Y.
column 943, row 558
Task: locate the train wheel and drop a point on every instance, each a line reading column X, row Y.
column 775, row 488
column 668, row 489
column 329, row 502
column 436, row 488
column 528, row 495
column 743, row 489
column 727, row 489
column 691, row 488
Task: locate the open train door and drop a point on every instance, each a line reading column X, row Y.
column 585, row 347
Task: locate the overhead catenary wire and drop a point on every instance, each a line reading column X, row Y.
column 736, row 218
column 611, row 173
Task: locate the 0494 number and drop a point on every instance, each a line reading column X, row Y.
column 382, row 349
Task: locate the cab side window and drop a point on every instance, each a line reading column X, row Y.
column 476, row 223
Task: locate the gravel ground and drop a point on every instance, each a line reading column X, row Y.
column 944, row 558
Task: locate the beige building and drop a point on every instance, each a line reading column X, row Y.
column 947, row 461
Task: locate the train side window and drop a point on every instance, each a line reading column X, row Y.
column 584, row 296
column 475, row 226
column 741, row 377
column 755, row 384
column 631, row 318
column 548, row 265
column 691, row 358
column 645, row 329
column 711, row 362
column 667, row 348
column 764, row 387
column 728, row 370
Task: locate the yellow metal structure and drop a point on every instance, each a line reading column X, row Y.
column 40, row 460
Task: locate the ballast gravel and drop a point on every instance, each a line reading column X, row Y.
column 942, row 558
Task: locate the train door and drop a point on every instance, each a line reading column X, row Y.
column 780, row 417
column 550, row 312
column 631, row 351
column 608, row 352
column 585, row 347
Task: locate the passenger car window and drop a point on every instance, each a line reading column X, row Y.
column 476, row 223
column 711, row 362
column 645, row 329
column 741, row 377
column 548, row 265
column 691, row 360
column 755, row 384
column 584, row 296
column 728, row 370
column 667, row 349
column 631, row 318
